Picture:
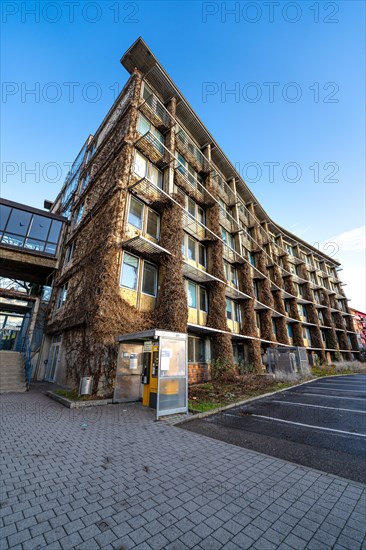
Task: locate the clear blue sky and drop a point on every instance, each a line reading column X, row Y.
column 321, row 52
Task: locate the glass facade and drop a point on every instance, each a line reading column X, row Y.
column 28, row 230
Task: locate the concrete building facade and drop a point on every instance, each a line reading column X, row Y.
column 359, row 321
column 164, row 233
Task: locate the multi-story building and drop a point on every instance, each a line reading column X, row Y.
column 359, row 321
column 164, row 233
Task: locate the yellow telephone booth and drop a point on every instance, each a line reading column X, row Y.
column 152, row 367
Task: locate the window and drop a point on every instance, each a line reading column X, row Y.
column 251, row 259
column 233, row 312
column 258, row 320
column 85, row 182
column 256, row 289
column 152, row 224
column 194, row 210
column 145, row 126
column 274, row 327
column 189, row 172
column 145, row 169
column 191, row 249
column 78, row 214
column 69, row 253
column 231, row 274
column 62, row 295
column 203, row 299
column 228, row 238
column 130, row 275
column 192, row 295
column 197, row 297
column 149, row 279
column 130, row 269
column 135, row 215
column 196, row 350
column 290, row 331
column 306, row 333
column 202, row 255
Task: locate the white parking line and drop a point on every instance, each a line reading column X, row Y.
column 307, row 425
column 330, row 396
column 315, row 406
column 339, row 390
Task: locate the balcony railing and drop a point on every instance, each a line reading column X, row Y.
column 153, row 149
column 191, row 152
column 195, row 189
column 224, row 190
column 155, row 111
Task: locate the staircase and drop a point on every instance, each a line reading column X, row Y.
column 12, row 373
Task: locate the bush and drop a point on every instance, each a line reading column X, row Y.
column 349, row 366
column 246, row 368
column 222, row 370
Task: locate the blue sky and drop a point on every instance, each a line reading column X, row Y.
column 301, row 149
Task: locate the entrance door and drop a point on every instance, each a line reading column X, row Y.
column 128, row 375
column 52, row 362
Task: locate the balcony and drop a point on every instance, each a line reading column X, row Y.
column 146, row 249
column 191, row 152
column 231, row 255
column 153, row 149
column 147, row 191
column 194, row 189
column 236, row 294
column 158, row 115
column 197, row 229
column 224, row 190
column 198, row 275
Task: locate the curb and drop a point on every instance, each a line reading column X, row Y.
column 77, row 404
column 204, row 414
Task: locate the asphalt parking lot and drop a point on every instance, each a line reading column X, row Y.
column 321, row 424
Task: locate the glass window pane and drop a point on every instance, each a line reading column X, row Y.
column 223, row 235
column 135, row 213
column 18, row 222
column 201, row 215
column 191, row 249
column 55, row 230
column 191, row 207
column 140, row 165
column 130, row 271
column 33, row 244
column 50, row 248
column 39, row 227
column 237, row 313
column 203, row 299
column 156, row 176
column 144, row 125
column 4, row 214
column 192, row 300
column 13, row 240
column 229, row 311
column 152, row 224
column 202, row 255
column 190, row 349
column 200, row 351
column 147, row 91
column 149, row 279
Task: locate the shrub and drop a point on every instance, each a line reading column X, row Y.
column 222, row 370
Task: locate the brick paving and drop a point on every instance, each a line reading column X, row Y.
column 111, row 477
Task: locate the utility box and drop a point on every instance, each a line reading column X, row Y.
column 289, row 361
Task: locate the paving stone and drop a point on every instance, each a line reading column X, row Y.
column 197, row 492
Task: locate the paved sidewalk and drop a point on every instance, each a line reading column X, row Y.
column 111, row 477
